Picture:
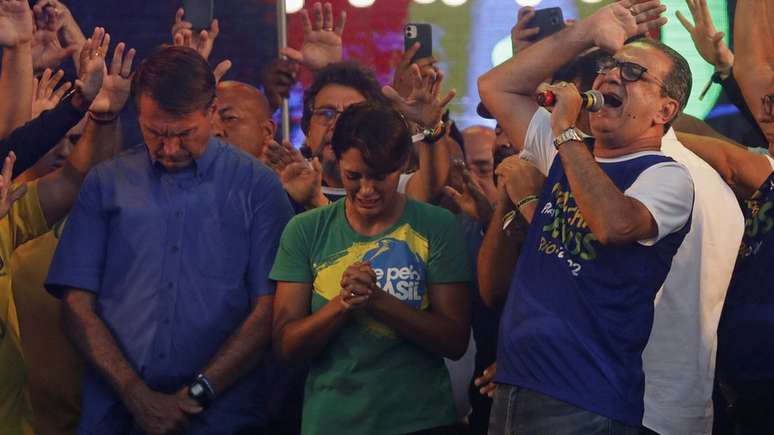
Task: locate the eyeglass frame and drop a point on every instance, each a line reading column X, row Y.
column 325, row 120
column 621, row 65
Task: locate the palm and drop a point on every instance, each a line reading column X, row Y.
column 113, row 94
column 301, row 182
column 15, row 23
column 613, row 26
column 321, row 48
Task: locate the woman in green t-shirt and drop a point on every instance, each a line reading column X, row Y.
column 371, row 291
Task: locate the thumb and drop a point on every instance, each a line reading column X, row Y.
column 292, row 54
column 718, row 38
column 392, row 94
column 316, row 165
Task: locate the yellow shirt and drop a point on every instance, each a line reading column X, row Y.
column 25, row 221
column 54, row 383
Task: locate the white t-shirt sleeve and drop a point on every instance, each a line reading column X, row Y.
column 403, row 182
column 666, row 190
column 539, row 141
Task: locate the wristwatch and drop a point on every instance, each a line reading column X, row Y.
column 201, row 391
column 570, row 134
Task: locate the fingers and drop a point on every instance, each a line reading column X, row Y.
column 650, row 14
column 7, row 171
column 118, row 56
column 317, row 16
column 61, row 91
column 179, row 15
column 214, row 29
column 392, row 95
column 452, row 193
column 327, row 17
column 409, row 54
column 221, row 69
column 342, row 21
column 651, row 25
column 684, row 21
column 523, row 18
column 292, row 54
column 447, row 99
column 306, row 23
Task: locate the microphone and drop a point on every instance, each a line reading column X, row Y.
column 590, row 100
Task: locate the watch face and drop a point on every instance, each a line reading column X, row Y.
column 197, row 390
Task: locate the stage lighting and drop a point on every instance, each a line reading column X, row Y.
column 361, row 3
column 528, row 2
column 424, row 2
column 293, row 6
column 591, row 1
column 454, row 2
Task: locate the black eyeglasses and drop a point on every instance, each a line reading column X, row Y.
column 630, row 71
column 326, row 115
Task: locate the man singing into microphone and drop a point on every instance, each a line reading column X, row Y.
column 605, row 227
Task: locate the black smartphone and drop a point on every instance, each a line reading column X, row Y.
column 549, row 20
column 198, row 13
column 422, row 33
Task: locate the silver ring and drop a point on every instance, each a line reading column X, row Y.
column 328, row 29
column 632, row 11
column 352, row 294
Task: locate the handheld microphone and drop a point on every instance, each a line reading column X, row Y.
column 590, row 100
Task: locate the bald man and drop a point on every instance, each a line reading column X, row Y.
column 479, row 142
column 243, row 118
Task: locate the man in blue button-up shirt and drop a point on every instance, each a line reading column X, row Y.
column 163, row 267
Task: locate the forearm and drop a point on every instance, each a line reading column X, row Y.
column 498, row 255
column 614, row 220
column 685, row 123
column 432, row 174
column 59, row 189
column 244, row 349
column 753, row 34
column 15, row 87
column 95, row 342
column 33, row 140
column 305, row 338
column 429, row 330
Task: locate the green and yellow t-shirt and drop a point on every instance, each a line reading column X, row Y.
column 24, row 222
column 369, row 380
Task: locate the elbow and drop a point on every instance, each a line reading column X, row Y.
column 490, row 296
column 457, row 346
column 616, row 233
column 485, row 87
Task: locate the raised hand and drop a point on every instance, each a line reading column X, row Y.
column 519, row 178
column 706, row 38
column 403, row 78
column 302, row 180
column 278, row 77
column 16, row 25
column 8, row 196
column 92, row 64
column 45, row 94
column 520, row 33
column 278, row 157
column 203, row 42
column 471, row 200
column 117, row 83
column 47, row 51
column 322, row 42
column 424, row 104
column 613, row 24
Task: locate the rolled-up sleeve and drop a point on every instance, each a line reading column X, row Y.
column 79, row 258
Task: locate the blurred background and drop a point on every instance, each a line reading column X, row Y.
column 469, row 37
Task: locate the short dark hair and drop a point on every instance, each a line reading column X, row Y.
column 678, row 81
column 378, row 131
column 348, row 74
column 177, row 78
column 584, row 67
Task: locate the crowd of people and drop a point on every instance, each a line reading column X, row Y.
column 610, row 265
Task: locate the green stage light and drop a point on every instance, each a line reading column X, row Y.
column 674, row 35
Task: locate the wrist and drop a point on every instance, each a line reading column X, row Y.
column 79, row 101
column 21, row 47
column 318, row 200
column 102, row 117
column 723, row 69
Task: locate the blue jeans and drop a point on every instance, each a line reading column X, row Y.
column 519, row 411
